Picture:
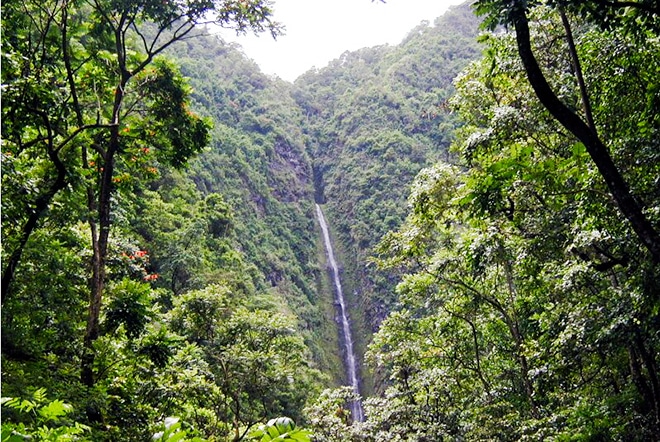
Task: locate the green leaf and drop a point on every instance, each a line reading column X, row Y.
column 54, row 410
column 279, row 429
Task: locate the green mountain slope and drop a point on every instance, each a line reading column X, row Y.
column 258, row 162
column 374, row 118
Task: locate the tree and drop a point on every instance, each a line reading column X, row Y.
column 255, row 358
column 174, row 22
column 85, row 83
column 526, row 309
column 605, row 14
column 38, row 138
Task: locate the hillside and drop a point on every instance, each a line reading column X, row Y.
column 374, row 119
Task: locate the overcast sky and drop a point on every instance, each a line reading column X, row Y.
column 318, row 31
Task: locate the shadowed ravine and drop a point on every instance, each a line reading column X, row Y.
column 349, row 359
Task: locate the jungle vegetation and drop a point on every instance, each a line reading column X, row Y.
column 492, row 185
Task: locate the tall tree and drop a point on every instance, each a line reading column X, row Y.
column 527, row 310
column 85, row 85
column 645, row 18
column 121, row 23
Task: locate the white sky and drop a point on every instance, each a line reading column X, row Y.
column 318, row 31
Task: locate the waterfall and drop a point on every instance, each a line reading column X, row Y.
column 351, row 364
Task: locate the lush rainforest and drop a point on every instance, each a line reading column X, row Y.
column 492, row 186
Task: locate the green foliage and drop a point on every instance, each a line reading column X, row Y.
column 129, row 306
column 523, row 308
column 256, row 358
column 169, row 93
column 98, row 127
column 172, row 432
column 279, row 429
column 259, row 164
column 330, row 416
column 523, row 302
column 634, row 18
column 47, row 420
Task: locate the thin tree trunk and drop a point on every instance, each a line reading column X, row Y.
column 648, row 359
column 40, row 207
column 639, row 380
column 100, row 235
column 586, row 103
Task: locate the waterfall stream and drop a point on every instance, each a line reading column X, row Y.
column 350, row 360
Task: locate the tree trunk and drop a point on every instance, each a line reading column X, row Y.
column 100, row 235
column 40, row 207
column 653, row 393
column 598, row 152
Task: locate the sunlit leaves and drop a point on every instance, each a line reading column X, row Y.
column 330, row 417
column 635, row 17
column 279, row 429
column 47, row 419
column 173, row 432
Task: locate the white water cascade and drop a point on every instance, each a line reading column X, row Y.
column 350, row 360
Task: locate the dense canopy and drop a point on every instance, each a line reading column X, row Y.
column 493, row 195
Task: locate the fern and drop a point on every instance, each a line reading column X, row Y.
column 44, row 420
column 281, row 429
